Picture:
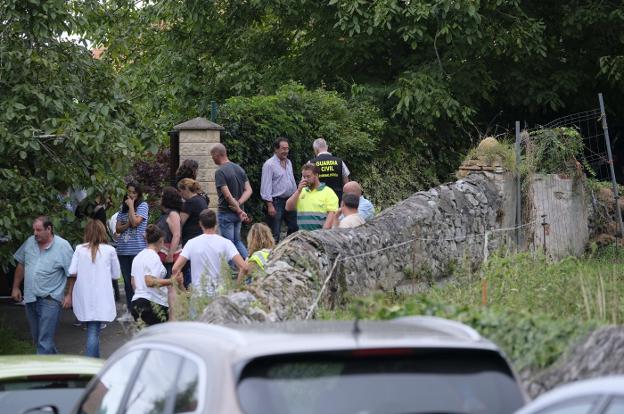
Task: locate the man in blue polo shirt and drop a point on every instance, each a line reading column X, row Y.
column 43, row 264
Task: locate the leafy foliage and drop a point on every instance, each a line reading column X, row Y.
column 554, row 151
column 152, row 172
column 532, row 340
column 64, row 122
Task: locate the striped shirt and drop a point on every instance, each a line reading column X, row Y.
column 132, row 241
column 313, row 206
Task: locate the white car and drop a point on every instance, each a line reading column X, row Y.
column 603, row 395
column 408, row 365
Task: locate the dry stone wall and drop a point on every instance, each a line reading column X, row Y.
column 427, row 234
column 599, row 354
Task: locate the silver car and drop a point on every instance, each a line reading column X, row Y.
column 408, row 365
column 595, row 396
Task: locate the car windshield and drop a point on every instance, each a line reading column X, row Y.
column 380, row 381
column 62, row 391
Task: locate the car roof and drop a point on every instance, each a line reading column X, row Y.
column 17, row 366
column 259, row 339
column 610, row 385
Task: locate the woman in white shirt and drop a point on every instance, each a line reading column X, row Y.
column 90, row 291
column 150, row 302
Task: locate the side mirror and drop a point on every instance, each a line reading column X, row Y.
column 44, row 409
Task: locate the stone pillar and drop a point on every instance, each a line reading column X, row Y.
column 197, row 136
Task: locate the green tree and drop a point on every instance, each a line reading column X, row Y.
column 64, row 122
column 443, row 72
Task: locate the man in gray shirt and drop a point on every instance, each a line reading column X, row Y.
column 277, row 184
column 233, row 189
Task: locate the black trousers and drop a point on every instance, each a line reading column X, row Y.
column 149, row 312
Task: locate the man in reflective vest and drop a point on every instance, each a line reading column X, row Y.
column 315, row 202
column 333, row 170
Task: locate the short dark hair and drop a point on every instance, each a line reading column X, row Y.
column 153, row 233
column 45, row 222
column 171, row 199
column 208, row 219
column 278, row 141
column 312, row 167
column 351, row 200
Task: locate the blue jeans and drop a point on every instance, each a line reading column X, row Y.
column 93, row 338
column 125, row 262
column 275, row 223
column 230, row 227
column 43, row 316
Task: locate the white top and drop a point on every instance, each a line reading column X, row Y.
column 351, row 221
column 207, row 253
column 93, row 298
column 147, row 262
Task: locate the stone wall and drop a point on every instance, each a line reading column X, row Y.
column 427, row 234
column 599, row 354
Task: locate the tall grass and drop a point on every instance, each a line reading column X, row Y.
column 589, row 288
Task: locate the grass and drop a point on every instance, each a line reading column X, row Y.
column 11, row 345
column 534, row 308
column 588, row 289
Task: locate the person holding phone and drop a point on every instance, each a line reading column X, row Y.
column 315, row 202
column 131, row 224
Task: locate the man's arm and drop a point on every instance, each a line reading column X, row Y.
column 67, row 301
column 16, row 293
column 266, row 187
column 329, row 220
column 291, row 203
column 176, row 271
column 345, row 173
column 230, row 200
column 247, row 192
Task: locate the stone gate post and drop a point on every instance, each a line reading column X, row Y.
column 197, row 136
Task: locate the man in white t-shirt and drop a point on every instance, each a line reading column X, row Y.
column 207, row 253
column 349, row 209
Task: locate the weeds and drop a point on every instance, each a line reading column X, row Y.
column 535, row 308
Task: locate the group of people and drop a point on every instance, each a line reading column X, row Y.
column 187, row 245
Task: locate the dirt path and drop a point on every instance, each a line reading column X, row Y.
column 69, row 339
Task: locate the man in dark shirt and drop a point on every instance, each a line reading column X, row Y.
column 334, row 172
column 233, row 189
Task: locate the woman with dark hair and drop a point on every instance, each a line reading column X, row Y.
column 194, row 204
column 188, row 169
column 131, row 224
column 90, row 292
column 150, row 303
column 169, row 223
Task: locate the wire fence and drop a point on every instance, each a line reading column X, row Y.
column 555, row 202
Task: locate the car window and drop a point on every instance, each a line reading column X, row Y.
column 154, row 384
column 106, row 395
column 380, row 381
column 46, row 382
column 582, row 405
column 616, row 406
column 187, row 393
